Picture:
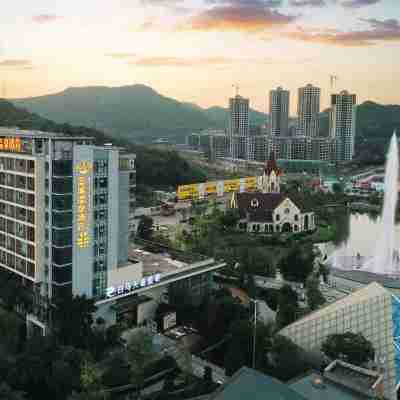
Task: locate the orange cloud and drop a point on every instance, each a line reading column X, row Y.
column 17, row 64
column 120, row 56
column 379, row 31
column 214, row 61
column 238, row 17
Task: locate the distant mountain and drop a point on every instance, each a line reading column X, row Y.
column 373, row 122
column 128, row 111
column 219, row 116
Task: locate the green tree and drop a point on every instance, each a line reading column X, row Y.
column 7, row 393
column 10, row 331
column 184, row 361
column 73, row 320
column 140, row 353
column 298, row 264
column 117, row 372
column 91, row 383
column 145, row 228
column 337, row 188
column 315, row 298
column 229, row 219
column 351, row 347
column 285, row 359
column 287, row 306
column 46, row 370
column 240, row 348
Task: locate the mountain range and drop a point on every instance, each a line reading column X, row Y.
column 140, row 114
column 132, row 112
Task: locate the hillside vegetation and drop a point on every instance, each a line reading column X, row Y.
column 134, row 112
column 155, row 168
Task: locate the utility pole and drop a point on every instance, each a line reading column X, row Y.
column 255, row 301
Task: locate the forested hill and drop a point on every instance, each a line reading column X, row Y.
column 135, row 112
column 157, row 168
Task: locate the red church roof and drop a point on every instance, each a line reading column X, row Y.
column 270, row 166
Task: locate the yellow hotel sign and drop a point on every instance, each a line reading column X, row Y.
column 10, row 144
column 83, row 170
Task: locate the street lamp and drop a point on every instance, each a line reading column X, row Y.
column 255, row 301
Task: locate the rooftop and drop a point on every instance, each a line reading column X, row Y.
column 314, row 387
column 248, row 384
column 155, row 263
column 365, row 277
column 357, row 379
column 372, row 290
column 6, row 131
column 166, row 260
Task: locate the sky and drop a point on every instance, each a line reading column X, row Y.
column 197, row 50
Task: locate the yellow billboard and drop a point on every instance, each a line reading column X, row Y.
column 201, row 190
column 186, row 192
column 210, row 188
column 250, row 183
column 232, row 185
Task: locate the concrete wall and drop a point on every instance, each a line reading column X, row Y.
column 146, row 311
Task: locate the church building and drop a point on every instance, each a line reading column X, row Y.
column 269, row 210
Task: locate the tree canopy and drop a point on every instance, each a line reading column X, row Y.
column 351, row 347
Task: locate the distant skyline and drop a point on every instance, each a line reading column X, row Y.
column 195, row 50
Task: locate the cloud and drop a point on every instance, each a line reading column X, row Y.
column 249, row 16
column 45, row 18
column 379, row 31
column 307, row 3
column 121, row 56
column 248, row 3
column 206, row 61
column 15, row 63
column 358, row 3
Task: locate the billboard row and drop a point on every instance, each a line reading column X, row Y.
column 219, row 188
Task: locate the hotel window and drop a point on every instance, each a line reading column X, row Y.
column 20, row 230
column 30, row 269
column 20, row 265
column 20, row 198
column 20, row 165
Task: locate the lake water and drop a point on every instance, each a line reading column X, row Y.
column 362, row 236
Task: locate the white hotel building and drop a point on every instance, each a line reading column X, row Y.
column 66, row 213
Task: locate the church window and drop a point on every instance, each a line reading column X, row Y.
column 254, row 203
column 296, row 217
column 278, row 217
column 287, row 211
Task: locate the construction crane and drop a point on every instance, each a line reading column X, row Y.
column 236, row 89
column 333, row 79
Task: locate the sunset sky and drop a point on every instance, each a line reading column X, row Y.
column 195, row 50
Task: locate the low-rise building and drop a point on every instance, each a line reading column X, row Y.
column 270, row 210
column 372, row 311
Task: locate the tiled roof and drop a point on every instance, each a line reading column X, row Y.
column 266, row 201
column 270, row 166
column 248, row 384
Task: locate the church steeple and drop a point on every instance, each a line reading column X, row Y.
column 271, row 181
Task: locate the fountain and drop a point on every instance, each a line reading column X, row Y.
column 385, row 259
